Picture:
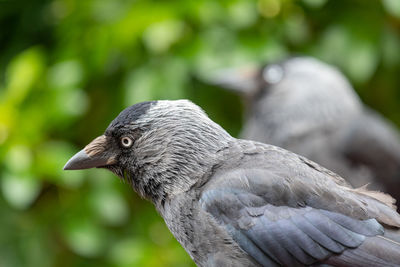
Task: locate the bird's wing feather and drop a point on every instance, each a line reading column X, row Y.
column 284, row 233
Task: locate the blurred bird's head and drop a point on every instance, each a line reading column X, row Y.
column 296, row 79
column 291, row 99
column 159, row 147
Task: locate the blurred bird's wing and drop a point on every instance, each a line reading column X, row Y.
column 277, row 224
column 374, row 142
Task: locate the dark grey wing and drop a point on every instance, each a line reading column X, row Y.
column 281, row 235
column 374, row 142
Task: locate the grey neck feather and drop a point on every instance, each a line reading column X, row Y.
column 180, row 144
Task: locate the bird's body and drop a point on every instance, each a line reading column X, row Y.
column 308, row 107
column 258, row 185
column 233, row 202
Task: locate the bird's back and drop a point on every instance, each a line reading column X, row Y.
column 269, row 200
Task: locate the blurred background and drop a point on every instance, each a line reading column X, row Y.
column 68, row 67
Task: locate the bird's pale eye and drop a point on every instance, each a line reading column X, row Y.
column 126, row 141
column 273, row 73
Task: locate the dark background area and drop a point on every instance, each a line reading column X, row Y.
column 68, row 67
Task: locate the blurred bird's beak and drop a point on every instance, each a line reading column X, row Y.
column 243, row 80
column 93, row 155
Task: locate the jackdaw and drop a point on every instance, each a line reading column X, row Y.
column 309, row 107
column 232, row 202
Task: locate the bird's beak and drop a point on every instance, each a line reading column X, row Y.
column 243, row 80
column 93, row 155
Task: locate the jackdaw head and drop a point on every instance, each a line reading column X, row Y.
column 292, row 91
column 297, row 77
column 159, row 147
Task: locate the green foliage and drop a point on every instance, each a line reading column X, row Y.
column 67, row 67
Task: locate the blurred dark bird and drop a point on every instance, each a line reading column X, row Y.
column 233, row 202
column 309, row 107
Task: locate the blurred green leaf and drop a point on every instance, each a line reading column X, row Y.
column 362, row 61
column 269, row 8
column 160, row 36
column 392, row 7
column 128, row 252
column 8, row 116
column 315, row 3
column 72, row 103
column 84, row 237
column 110, row 206
column 296, row 28
column 18, row 159
column 20, row 191
column 65, row 74
column 357, row 56
column 390, row 47
column 243, row 13
column 3, row 133
column 51, row 157
column 163, row 80
column 108, row 10
column 22, row 73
